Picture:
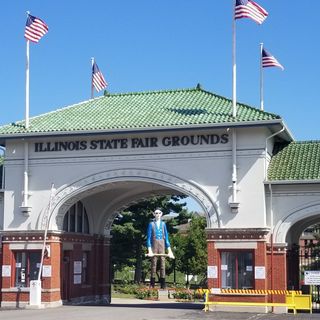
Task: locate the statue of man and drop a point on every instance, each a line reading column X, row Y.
column 157, row 243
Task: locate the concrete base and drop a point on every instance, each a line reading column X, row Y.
column 163, row 295
column 26, row 305
column 33, row 307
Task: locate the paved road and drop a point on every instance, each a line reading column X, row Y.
column 140, row 310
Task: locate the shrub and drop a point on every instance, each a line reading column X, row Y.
column 126, row 288
column 147, row 293
column 183, row 294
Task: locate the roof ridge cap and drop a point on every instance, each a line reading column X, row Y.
column 152, row 92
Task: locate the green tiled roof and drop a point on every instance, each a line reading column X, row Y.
column 296, row 161
column 138, row 111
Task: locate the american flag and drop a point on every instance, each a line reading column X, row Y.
column 249, row 9
column 98, row 80
column 35, row 29
column 268, row 60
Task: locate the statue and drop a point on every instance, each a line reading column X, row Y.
column 157, row 243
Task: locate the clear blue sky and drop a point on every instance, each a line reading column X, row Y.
column 169, row 44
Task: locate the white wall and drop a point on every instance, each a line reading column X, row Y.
column 209, row 166
column 294, row 206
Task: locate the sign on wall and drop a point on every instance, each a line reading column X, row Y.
column 312, row 277
column 77, row 267
column 6, row 271
column 212, row 272
column 131, row 143
column 259, row 272
column 77, row 279
column 46, row 271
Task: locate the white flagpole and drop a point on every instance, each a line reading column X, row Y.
column 261, row 80
column 234, row 204
column 92, row 89
column 27, row 83
column 25, row 206
column 234, row 66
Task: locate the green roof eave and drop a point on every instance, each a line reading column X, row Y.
column 275, row 122
column 291, row 182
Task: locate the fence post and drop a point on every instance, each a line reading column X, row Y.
column 206, row 303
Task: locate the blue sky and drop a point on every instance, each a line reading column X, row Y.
column 169, row 44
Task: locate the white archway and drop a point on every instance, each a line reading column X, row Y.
column 65, row 196
column 306, row 216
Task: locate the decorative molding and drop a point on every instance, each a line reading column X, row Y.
column 299, row 214
column 235, row 245
column 66, row 196
column 248, row 234
column 294, row 194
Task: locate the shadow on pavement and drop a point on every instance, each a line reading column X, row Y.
column 160, row 305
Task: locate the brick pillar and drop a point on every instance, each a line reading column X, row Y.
column 6, row 261
column 51, row 286
column 277, row 270
column 260, row 260
column 105, row 270
column 214, row 262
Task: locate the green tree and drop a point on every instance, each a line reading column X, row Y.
column 129, row 232
column 191, row 248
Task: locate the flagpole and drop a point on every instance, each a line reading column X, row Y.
column 234, row 66
column 27, row 82
column 25, row 207
column 234, row 204
column 261, row 80
column 92, row 89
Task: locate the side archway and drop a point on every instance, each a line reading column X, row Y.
column 66, row 196
column 296, row 221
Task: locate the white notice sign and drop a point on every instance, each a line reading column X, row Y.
column 312, row 277
column 259, row 272
column 46, row 271
column 77, row 267
column 77, row 279
column 6, row 271
column 212, row 272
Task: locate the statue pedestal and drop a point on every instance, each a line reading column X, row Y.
column 163, row 295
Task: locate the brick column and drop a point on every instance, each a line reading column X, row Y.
column 277, row 270
column 51, row 286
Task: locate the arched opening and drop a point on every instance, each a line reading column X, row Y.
column 303, row 262
column 129, row 245
column 85, row 212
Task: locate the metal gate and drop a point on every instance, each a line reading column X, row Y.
column 303, row 258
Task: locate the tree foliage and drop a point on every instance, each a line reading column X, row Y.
column 191, row 248
column 129, row 232
column 129, row 238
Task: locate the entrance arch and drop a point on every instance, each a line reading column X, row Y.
column 66, row 196
column 289, row 228
column 301, row 251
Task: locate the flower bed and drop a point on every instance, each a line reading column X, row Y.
column 147, row 293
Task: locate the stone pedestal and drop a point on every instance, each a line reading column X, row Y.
column 163, row 295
